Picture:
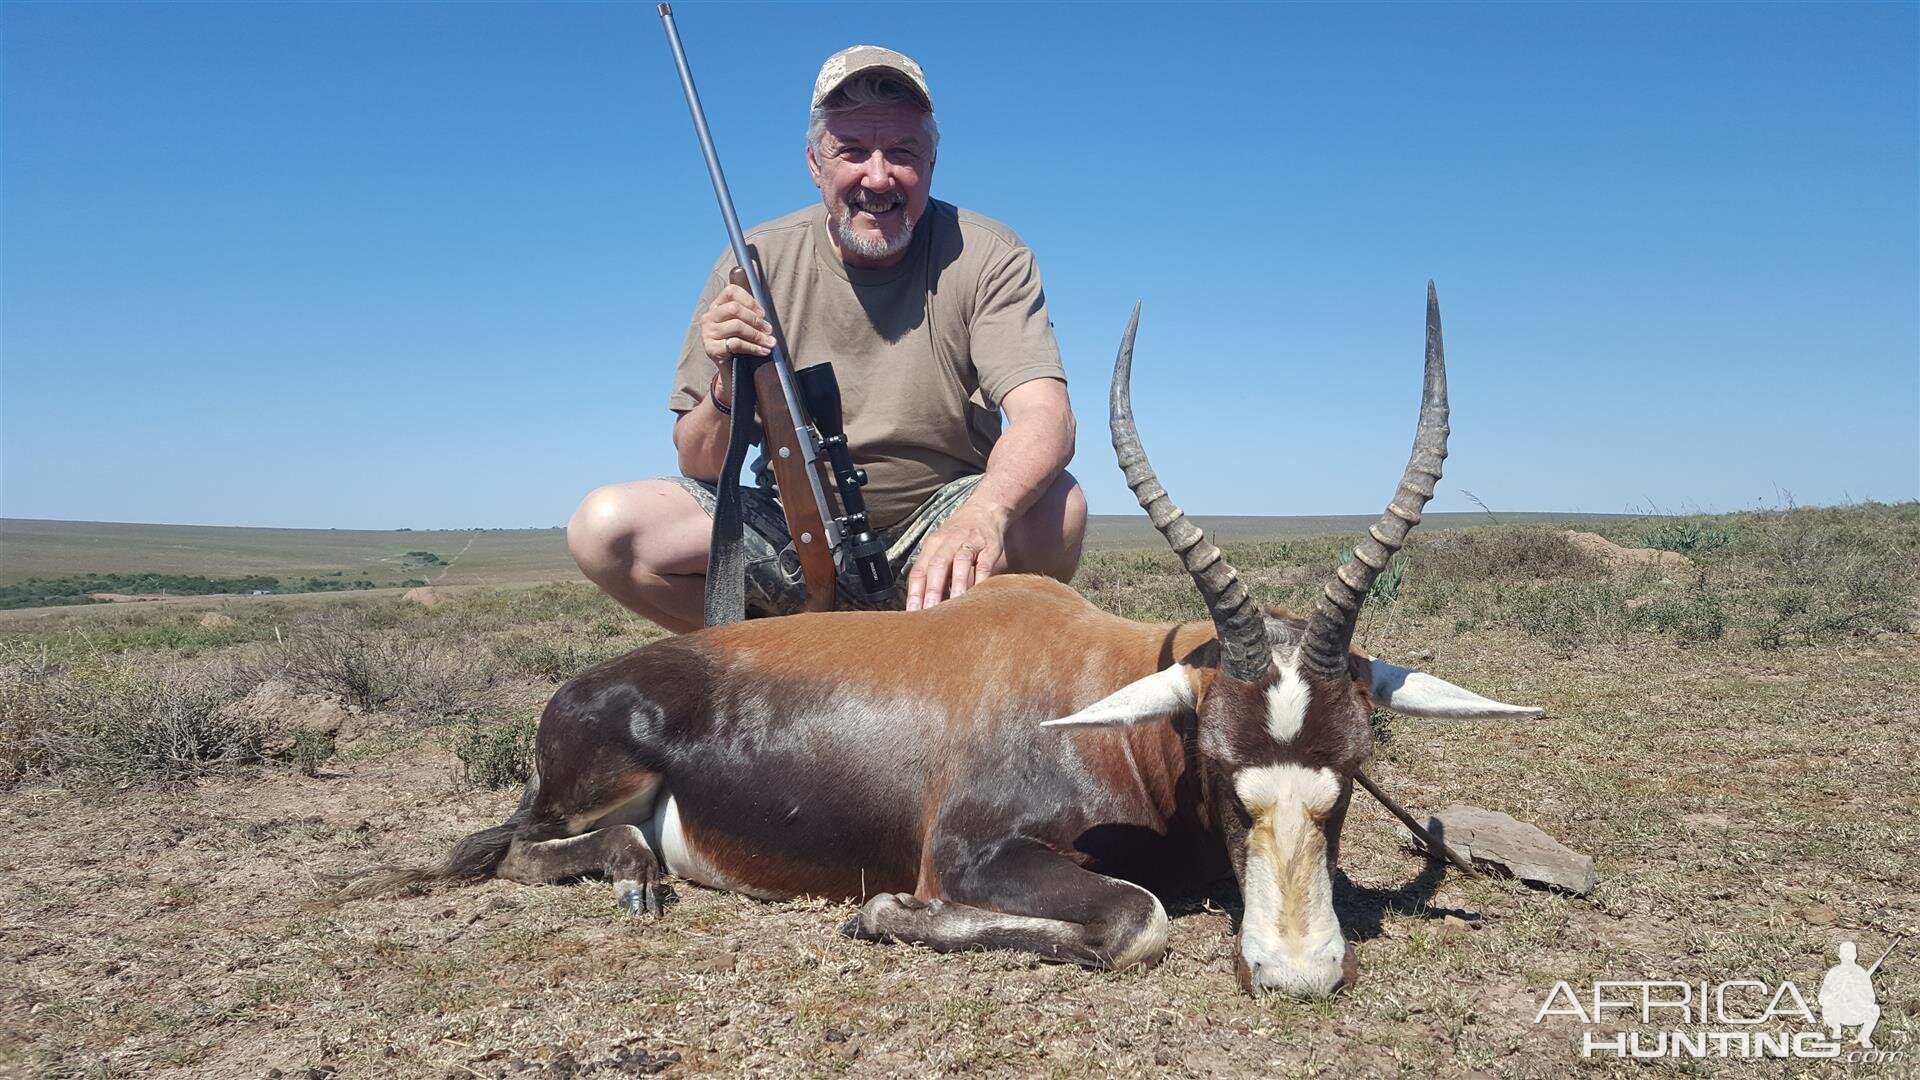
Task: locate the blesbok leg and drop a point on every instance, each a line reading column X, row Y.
column 619, row 852
column 1029, row 898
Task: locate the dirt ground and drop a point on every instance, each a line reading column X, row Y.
column 1747, row 813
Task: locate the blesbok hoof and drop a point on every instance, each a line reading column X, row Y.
column 637, row 897
column 871, row 920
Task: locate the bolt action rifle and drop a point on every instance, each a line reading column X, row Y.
column 804, row 437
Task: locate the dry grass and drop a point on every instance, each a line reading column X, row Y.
column 1749, row 802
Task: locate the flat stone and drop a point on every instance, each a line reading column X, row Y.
column 1496, row 840
column 1820, row 915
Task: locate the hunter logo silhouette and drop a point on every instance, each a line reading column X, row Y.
column 1846, row 994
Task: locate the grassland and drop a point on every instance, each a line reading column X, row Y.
column 56, row 549
column 1733, row 739
column 53, row 549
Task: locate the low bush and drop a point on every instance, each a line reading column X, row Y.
column 1508, row 553
column 495, row 755
column 342, row 654
column 121, row 722
column 310, row 749
column 1812, row 575
column 556, row 654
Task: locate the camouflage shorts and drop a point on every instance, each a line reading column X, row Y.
column 775, row 585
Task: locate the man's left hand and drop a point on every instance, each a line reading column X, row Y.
column 970, row 548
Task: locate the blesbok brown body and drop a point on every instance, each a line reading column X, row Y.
column 1014, row 768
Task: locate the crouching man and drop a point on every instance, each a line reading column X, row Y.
column 935, row 323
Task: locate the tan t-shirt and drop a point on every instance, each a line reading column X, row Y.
column 923, row 351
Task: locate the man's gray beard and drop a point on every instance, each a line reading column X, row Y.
column 872, row 247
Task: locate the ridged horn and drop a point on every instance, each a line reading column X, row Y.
column 1330, row 630
column 1242, row 628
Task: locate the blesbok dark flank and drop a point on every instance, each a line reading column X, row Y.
column 1012, row 769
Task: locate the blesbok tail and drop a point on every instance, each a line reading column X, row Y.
column 473, row 857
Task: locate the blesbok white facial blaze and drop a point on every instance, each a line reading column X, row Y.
column 1287, row 701
column 1289, row 936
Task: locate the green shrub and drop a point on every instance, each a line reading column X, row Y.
column 495, row 755
column 1687, row 537
column 311, row 749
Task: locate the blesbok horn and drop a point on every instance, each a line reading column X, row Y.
column 1242, row 629
column 1330, row 630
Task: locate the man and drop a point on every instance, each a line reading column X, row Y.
column 935, row 322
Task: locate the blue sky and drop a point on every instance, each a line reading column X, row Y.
column 428, row 265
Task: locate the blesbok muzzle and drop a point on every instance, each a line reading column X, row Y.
column 1290, row 940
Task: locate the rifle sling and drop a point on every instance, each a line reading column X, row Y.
column 727, row 557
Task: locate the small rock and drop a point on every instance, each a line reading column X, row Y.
column 1820, row 915
column 1454, row 926
column 214, row 619
column 1492, row 838
column 425, row 596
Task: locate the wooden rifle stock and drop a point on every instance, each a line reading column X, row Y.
column 790, row 473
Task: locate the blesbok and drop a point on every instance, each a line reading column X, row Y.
column 1011, row 769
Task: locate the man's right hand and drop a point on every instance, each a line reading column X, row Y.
column 734, row 323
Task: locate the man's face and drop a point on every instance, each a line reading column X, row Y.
column 873, row 165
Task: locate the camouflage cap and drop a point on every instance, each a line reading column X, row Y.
column 847, row 63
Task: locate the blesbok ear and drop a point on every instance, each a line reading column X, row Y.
column 1159, row 695
column 1416, row 693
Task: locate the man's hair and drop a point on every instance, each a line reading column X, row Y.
column 869, row 88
